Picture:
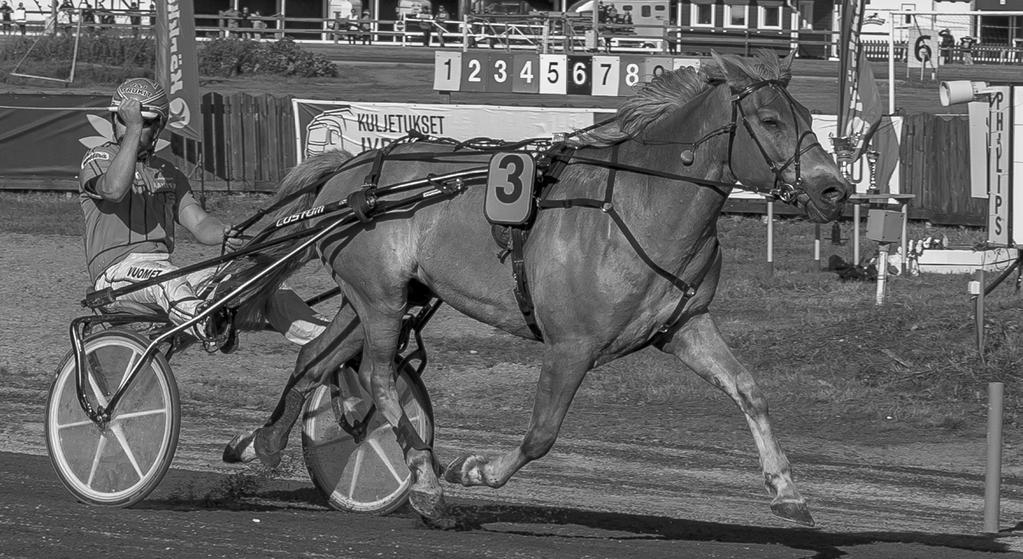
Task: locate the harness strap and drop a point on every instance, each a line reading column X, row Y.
column 606, row 205
column 522, row 294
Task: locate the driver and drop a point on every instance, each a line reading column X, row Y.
column 132, row 201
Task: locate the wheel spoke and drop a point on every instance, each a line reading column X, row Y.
column 118, row 432
column 100, row 447
column 375, row 445
column 61, row 426
column 133, row 415
column 100, row 398
column 356, row 470
column 131, row 365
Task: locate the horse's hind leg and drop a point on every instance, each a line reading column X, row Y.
column 700, row 346
column 339, row 342
column 563, row 369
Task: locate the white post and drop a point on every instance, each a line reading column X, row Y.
column 882, row 272
column 770, row 237
column 993, row 475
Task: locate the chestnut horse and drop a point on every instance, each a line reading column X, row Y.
column 623, row 254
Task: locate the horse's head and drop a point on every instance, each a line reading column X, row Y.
column 772, row 145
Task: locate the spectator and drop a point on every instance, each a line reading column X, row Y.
column 947, row 44
column 21, row 18
column 106, row 18
column 966, row 46
column 426, row 26
column 365, row 26
column 65, row 17
column 231, row 17
column 443, row 22
column 88, row 16
column 258, row 25
column 339, row 26
column 245, row 23
column 5, row 16
column 135, row 17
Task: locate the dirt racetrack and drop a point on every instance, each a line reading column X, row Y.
column 627, row 478
column 681, row 472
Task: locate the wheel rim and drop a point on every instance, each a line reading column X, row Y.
column 112, row 465
column 370, row 476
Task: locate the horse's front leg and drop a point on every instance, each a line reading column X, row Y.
column 563, row 369
column 339, row 342
column 700, row 346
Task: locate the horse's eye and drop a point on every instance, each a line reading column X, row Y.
column 769, row 121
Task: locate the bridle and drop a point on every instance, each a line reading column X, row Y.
column 786, row 192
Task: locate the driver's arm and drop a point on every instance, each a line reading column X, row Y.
column 117, row 180
column 206, row 228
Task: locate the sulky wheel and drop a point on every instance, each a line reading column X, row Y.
column 118, row 464
column 368, row 475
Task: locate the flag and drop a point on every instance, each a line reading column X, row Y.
column 849, row 62
column 176, row 67
column 864, row 110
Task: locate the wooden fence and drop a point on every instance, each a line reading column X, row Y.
column 935, row 163
column 249, row 143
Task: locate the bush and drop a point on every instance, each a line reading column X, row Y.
column 108, row 60
column 232, row 57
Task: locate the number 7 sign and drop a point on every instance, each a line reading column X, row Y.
column 605, row 77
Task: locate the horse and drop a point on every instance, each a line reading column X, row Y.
column 623, row 253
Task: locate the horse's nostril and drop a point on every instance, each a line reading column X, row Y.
column 833, row 194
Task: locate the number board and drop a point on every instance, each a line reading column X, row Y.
column 555, row 74
column 475, row 67
column 447, row 71
column 654, row 66
column 630, row 75
column 605, row 79
column 579, row 82
column 499, row 74
column 525, row 75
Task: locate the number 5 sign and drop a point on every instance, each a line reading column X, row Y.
column 553, row 73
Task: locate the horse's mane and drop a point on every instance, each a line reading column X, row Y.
column 673, row 90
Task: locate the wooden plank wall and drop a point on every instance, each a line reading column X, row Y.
column 935, row 164
column 249, row 143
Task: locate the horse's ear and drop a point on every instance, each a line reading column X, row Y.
column 786, row 61
column 737, row 77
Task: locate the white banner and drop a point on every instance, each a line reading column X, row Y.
column 358, row 127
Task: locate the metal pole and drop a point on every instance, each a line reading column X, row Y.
column 770, row 237
column 882, row 272
column 856, row 234
column 977, row 291
column 817, row 246
column 993, row 476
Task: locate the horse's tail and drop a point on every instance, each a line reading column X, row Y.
column 297, row 192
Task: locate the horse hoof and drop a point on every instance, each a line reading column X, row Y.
column 429, row 505
column 793, row 511
column 453, row 471
column 240, row 449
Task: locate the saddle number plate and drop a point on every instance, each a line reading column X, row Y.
column 510, row 183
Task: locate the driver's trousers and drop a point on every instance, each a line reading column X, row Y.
column 180, row 299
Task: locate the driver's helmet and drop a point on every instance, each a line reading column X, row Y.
column 148, row 93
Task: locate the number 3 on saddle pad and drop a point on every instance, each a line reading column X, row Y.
column 510, row 183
